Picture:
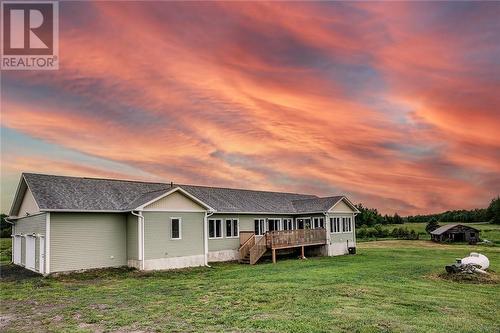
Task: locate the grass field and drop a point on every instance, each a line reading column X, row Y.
column 5, row 250
column 389, row 286
column 489, row 231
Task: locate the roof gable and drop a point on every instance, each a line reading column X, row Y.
column 176, row 199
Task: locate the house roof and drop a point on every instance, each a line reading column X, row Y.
column 447, row 227
column 315, row 204
column 54, row 193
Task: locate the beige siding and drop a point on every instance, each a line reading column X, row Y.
column 31, row 225
column 157, row 242
column 175, row 202
column 28, row 205
column 132, row 237
column 87, row 240
column 342, row 207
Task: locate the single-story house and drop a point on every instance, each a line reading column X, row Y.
column 455, row 233
column 72, row 223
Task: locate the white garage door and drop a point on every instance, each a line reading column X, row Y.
column 30, row 252
column 17, row 250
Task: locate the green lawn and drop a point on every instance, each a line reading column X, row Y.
column 5, row 250
column 388, row 286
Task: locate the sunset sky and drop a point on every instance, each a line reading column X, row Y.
column 396, row 105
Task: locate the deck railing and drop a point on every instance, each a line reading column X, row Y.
column 294, row 238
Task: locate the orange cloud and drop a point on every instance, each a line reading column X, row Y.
column 321, row 98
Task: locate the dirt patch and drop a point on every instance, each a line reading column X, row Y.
column 492, row 278
column 5, row 319
column 10, row 272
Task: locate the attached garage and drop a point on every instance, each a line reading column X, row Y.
column 28, row 242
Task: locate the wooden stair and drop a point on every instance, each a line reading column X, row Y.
column 245, row 260
column 252, row 250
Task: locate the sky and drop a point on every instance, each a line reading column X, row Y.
column 395, row 105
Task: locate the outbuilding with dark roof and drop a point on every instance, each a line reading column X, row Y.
column 455, row 233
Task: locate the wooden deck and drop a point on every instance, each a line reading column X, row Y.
column 253, row 247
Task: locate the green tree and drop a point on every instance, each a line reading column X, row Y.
column 493, row 211
column 397, row 219
column 432, row 225
column 5, row 228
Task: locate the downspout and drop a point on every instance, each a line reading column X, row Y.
column 328, row 233
column 141, row 237
column 354, row 228
column 205, row 235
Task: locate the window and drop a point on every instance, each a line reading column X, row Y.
column 346, row 224
column 231, row 228
column 260, row 226
column 318, row 223
column 175, row 228
column 335, row 224
column 304, row 223
column 273, row 224
column 288, row 224
column 214, row 228
column 307, row 223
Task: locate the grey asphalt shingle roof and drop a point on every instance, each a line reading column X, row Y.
column 95, row 194
column 315, row 204
column 447, row 227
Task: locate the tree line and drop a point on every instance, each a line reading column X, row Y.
column 371, row 217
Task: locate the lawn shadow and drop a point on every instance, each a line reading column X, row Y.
column 11, row 272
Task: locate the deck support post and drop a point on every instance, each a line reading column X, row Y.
column 274, row 256
column 302, row 256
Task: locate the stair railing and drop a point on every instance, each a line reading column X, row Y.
column 246, row 246
column 258, row 250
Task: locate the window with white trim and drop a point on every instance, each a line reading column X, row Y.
column 318, row 223
column 260, row 226
column 175, row 228
column 303, row 223
column 335, row 224
column 273, row 224
column 346, row 224
column 214, row 228
column 231, row 228
column 288, row 224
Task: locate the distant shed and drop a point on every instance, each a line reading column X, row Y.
column 455, row 233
